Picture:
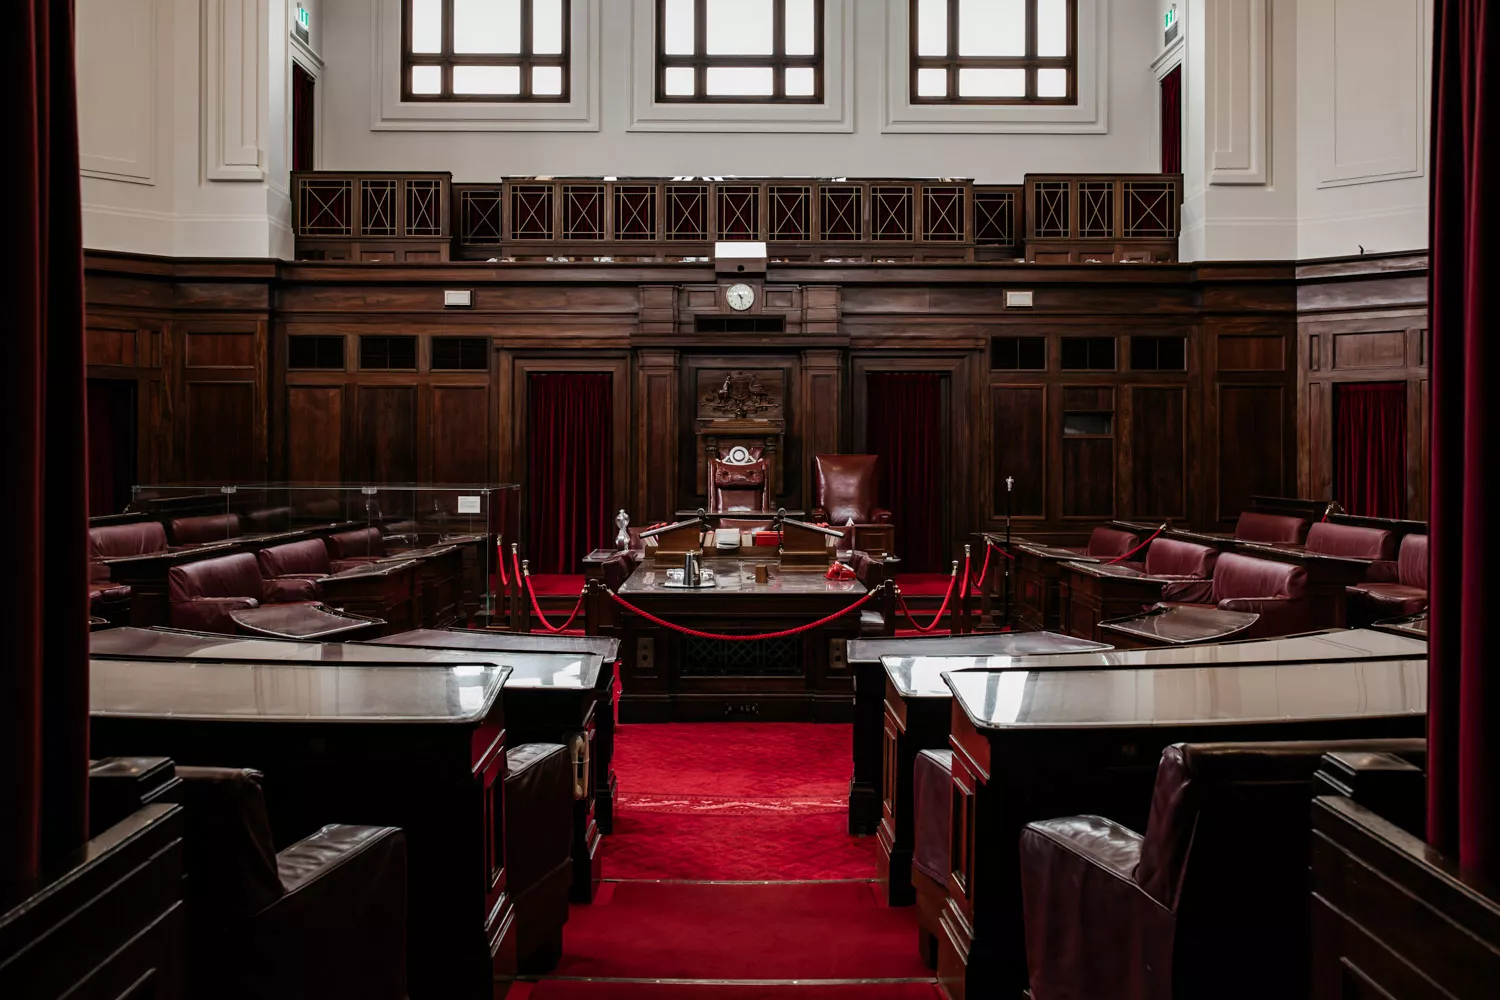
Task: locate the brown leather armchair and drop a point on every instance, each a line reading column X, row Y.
column 538, row 853
column 1270, row 529
column 738, row 487
column 363, row 544
column 1277, row 591
column 1372, row 601
column 847, row 487
column 204, row 529
column 203, row 594
column 323, row 919
column 1211, row 903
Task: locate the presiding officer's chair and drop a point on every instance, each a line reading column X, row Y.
column 846, row 489
column 739, row 483
column 1211, row 904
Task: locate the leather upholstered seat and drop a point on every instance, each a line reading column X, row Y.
column 1211, row 903
column 203, row 530
column 1109, row 543
column 1168, row 557
column 1351, row 541
column 847, row 486
column 321, row 920
column 1270, row 529
column 932, row 801
column 1408, row 595
column 538, row 851
column 362, row 544
column 203, row 594
column 307, row 558
column 108, row 599
column 1277, row 591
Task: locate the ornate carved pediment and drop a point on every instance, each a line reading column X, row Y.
column 739, row 395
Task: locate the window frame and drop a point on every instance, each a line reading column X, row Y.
column 525, row 60
column 701, row 61
column 1031, row 62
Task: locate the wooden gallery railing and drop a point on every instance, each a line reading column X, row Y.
column 1053, row 218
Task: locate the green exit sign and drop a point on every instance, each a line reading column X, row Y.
column 305, row 19
column 1168, row 19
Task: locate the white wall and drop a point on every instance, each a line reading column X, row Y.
column 349, row 142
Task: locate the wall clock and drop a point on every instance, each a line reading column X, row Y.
column 740, row 297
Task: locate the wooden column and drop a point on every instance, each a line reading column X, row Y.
column 656, row 435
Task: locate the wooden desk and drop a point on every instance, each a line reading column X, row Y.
column 440, row 576
column 385, row 744
column 1039, row 599
column 670, row 676
column 1409, row 625
column 1100, row 591
column 1180, row 626
column 1090, row 741
column 864, row 656
column 385, row 590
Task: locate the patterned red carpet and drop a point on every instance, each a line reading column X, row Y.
column 702, row 811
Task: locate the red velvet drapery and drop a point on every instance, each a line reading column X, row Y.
column 905, row 428
column 568, row 479
column 1369, row 448
column 1463, row 722
column 1171, row 122
column 303, row 122
column 44, row 496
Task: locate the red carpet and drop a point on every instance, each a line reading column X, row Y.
column 565, row 990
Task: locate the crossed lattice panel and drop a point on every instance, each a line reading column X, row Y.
column 995, row 218
column 764, row 658
column 635, row 212
column 1151, row 209
column 791, row 212
column 324, row 208
column 480, row 216
column 531, row 212
column 739, row 212
column 943, row 214
column 377, row 208
column 424, row 215
column 1096, row 209
column 842, row 208
column 583, row 212
column 1051, row 209
column 687, row 212
column 891, row 213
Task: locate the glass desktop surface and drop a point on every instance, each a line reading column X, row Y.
column 302, row 621
column 994, row 643
column 1185, row 624
column 1113, row 569
column 922, row 676
column 292, row 692
column 128, row 643
column 604, row 646
column 737, row 576
column 1285, row 693
column 571, row 671
column 1053, row 552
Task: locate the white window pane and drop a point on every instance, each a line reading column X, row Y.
column 547, row 27
column 739, row 81
column 486, row 79
column 1051, row 27
column 800, row 81
column 932, row 83
column 679, row 82
column 426, row 79
column 427, row 26
column 801, row 28
column 932, row 28
column 677, row 27
column 739, row 27
column 991, row 28
column 486, row 26
column 991, row 83
column 1052, row 83
column 546, row 81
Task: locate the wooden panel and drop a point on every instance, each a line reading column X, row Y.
column 1088, row 486
column 1251, row 439
column 386, row 446
column 1158, row 452
column 220, row 350
column 111, row 346
column 1252, row 354
column 460, row 434
column 1020, row 443
column 315, row 422
column 1385, row 349
column 220, row 432
column 1076, row 397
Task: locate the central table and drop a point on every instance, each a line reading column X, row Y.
column 669, row 676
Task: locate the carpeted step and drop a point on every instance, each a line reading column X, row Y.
column 555, row 989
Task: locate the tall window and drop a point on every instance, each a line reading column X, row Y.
column 994, row 52
column 484, row 50
column 739, row 51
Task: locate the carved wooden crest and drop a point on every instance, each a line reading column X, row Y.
column 740, row 395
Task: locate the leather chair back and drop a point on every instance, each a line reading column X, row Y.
column 231, row 861
column 198, row 530
column 1351, row 541
column 1270, row 529
column 269, row 519
column 361, row 544
column 235, row 575
column 1170, row 557
column 138, row 539
column 735, row 488
column 294, row 558
column 1411, row 564
column 1240, row 576
column 1110, row 543
column 847, row 487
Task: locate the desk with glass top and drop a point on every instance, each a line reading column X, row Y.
column 1035, row 744
column 1179, row 626
column 671, row 676
column 1094, row 592
column 414, row 745
column 1039, row 597
column 305, row 621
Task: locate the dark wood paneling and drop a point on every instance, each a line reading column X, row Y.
column 220, row 350
column 1020, row 443
column 1252, row 354
column 1088, row 481
column 219, row 422
column 1158, row 452
column 460, row 439
column 385, row 446
column 1251, row 433
column 315, row 425
column 1376, row 349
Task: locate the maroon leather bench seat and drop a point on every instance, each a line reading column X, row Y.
column 203, row 594
column 1189, row 565
column 932, row 805
column 1372, row 601
column 1109, row 543
column 362, row 544
column 309, row 559
column 1270, row 529
column 108, row 599
column 1351, row 541
column 203, row 529
column 1277, row 591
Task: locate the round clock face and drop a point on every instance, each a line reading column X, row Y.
column 740, row 297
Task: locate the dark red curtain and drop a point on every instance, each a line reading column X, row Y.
column 1463, row 722
column 905, row 428
column 303, row 122
column 43, row 502
column 1171, row 122
column 1369, row 448
column 568, row 481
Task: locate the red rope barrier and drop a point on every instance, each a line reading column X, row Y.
column 984, row 571
column 500, row 551
column 1138, row 548
column 537, row 610
column 941, row 610
column 739, row 638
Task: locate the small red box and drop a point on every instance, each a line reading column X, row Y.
column 768, row 538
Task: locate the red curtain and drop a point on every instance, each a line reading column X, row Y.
column 905, row 428
column 302, row 118
column 1171, row 122
column 1369, row 448
column 43, row 502
column 1463, row 721
column 568, row 478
